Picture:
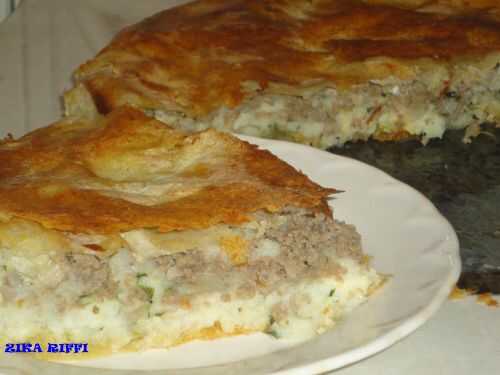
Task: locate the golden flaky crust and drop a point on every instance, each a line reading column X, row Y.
column 127, row 171
column 214, row 53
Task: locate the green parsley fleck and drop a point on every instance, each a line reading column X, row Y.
column 149, row 292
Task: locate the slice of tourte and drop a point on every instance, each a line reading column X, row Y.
column 128, row 234
column 319, row 72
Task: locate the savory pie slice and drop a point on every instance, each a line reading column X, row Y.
column 129, row 234
column 320, row 72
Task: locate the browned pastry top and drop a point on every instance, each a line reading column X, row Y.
column 127, row 171
column 213, row 53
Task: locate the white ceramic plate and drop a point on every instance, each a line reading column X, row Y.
column 401, row 229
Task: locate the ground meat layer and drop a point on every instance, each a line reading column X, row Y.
column 294, row 245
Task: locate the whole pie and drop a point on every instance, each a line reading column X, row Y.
column 320, row 72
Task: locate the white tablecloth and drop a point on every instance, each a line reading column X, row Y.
column 46, row 39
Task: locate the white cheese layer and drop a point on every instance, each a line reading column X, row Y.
column 325, row 117
column 160, row 289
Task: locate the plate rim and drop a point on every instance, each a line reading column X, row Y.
column 411, row 323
